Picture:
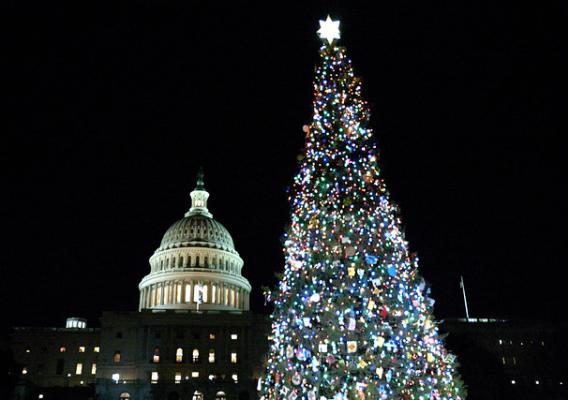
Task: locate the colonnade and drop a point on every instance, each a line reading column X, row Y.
column 190, row 292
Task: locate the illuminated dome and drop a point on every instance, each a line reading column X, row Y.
column 197, row 230
column 196, row 265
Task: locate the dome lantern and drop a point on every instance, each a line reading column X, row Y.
column 199, row 197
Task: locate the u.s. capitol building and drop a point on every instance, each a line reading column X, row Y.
column 193, row 336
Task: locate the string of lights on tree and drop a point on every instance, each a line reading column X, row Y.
column 352, row 316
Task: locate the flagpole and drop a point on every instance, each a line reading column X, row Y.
column 464, row 298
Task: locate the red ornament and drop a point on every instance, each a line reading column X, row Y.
column 383, row 313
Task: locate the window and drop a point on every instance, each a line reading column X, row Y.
column 177, row 378
column 62, row 349
column 24, row 371
column 59, row 366
column 115, row 377
column 195, row 374
column 96, row 349
column 154, row 377
column 124, row 395
column 513, row 382
column 94, row 369
column 116, row 357
column 537, row 382
column 179, row 355
column 79, row 369
column 28, row 351
column 81, row 349
column 156, row 356
column 233, row 358
column 211, row 356
column 504, row 360
column 197, row 395
column 234, row 336
column 220, row 396
column 235, row 378
column 211, row 336
column 500, row 341
column 212, row 377
column 195, row 355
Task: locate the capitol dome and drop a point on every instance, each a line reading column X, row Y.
column 196, row 266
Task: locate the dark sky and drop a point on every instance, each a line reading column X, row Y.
column 111, row 109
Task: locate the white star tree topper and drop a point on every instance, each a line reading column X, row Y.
column 329, row 30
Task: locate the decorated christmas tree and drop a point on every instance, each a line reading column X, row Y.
column 352, row 318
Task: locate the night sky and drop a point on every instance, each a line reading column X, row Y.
column 112, row 108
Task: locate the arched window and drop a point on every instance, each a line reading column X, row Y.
column 213, row 293
column 124, row 395
column 220, row 395
column 187, row 292
column 195, row 355
column 197, row 395
column 179, row 355
column 178, row 292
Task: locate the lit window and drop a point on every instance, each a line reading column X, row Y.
column 514, row 360
column 40, row 396
column 522, row 344
column 195, row 355
column 96, row 349
column 195, row 374
column 94, row 369
column 79, row 369
column 124, row 395
column 537, row 382
column 62, row 349
column 154, row 377
column 561, row 383
column 220, row 396
column 542, row 343
column 115, row 377
column 235, row 378
column 178, row 377
column 179, row 355
column 500, row 341
column 28, row 351
column 234, row 336
column 156, row 356
column 82, row 382
column 24, row 371
column 212, row 377
column 233, row 358
column 513, row 382
column 211, row 355
column 116, row 357
column 504, row 360
column 197, row 395
column 212, row 336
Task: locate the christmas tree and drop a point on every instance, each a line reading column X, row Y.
column 352, row 318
